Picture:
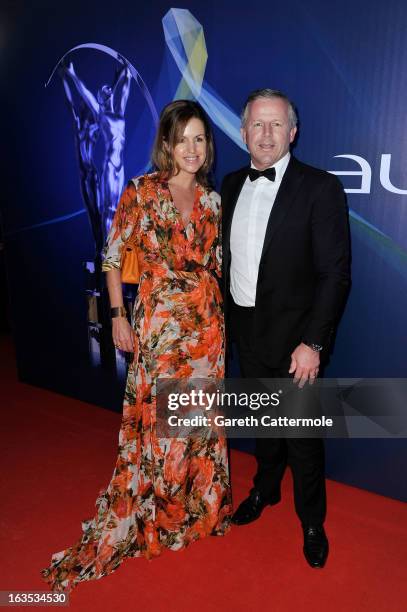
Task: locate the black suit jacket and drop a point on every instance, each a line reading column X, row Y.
column 304, row 272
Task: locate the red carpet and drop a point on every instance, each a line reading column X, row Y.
column 56, row 455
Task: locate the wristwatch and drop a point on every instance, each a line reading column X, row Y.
column 315, row 347
column 118, row 311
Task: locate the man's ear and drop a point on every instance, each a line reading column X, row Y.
column 243, row 134
column 293, row 132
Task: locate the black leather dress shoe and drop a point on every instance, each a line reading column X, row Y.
column 316, row 546
column 251, row 508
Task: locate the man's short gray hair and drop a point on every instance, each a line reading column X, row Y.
column 270, row 93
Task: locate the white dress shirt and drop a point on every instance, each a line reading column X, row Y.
column 247, row 233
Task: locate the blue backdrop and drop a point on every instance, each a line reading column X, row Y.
column 344, row 66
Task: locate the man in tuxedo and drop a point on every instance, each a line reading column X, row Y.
column 286, row 277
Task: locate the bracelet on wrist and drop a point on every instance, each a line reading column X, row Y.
column 118, row 311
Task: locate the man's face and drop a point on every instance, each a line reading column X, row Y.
column 267, row 132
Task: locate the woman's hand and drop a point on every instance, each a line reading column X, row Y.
column 124, row 336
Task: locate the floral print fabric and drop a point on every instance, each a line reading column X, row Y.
column 165, row 492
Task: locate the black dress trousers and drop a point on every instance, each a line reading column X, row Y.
column 305, row 456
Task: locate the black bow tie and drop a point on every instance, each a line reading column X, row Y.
column 269, row 173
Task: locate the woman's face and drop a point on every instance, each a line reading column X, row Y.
column 190, row 153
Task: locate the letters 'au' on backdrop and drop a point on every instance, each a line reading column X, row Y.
column 73, row 143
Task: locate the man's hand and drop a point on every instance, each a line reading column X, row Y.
column 304, row 365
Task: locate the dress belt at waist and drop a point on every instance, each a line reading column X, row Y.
column 187, row 273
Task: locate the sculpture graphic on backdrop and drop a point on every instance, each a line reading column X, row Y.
column 86, row 135
column 94, row 115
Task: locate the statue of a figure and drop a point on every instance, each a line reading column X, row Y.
column 86, row 135
column 105, row 114
column 112, row 101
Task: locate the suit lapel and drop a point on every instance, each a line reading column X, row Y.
column 285, row 196
column 232, row 197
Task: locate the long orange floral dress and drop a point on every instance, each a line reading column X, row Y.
column 164, row 493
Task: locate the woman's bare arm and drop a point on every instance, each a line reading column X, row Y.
column 122, row 332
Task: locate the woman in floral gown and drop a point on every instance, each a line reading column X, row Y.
column 165, row 492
